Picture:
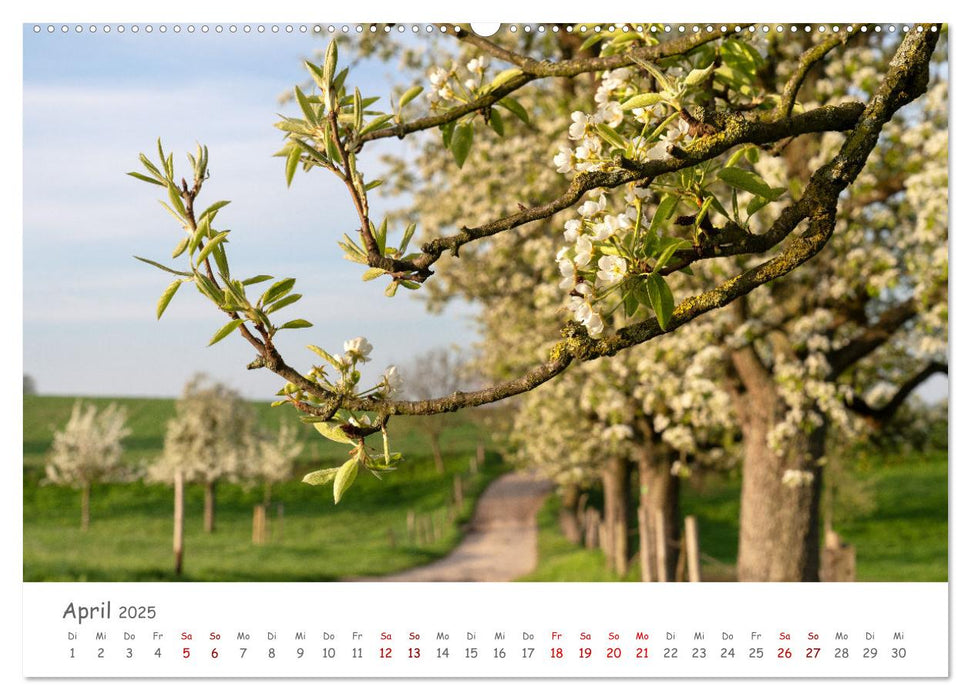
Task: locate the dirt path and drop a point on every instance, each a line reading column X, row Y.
column 500, row 544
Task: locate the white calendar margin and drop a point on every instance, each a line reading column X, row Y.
column 553, row 615
column 507, row 10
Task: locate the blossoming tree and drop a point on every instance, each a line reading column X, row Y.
column 661, row 176
column 210, row 438
column 88, row 451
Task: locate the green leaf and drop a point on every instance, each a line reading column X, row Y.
column 662, row 301
column 222, row 264
column 326, row 355
column 391, row 289
column 513, row 106
column 316, row 73
column 381, row 235
column 352, row 250
column 166, row 297
column 755, row 205
column 321, row 477
column 591, row 40
column 504, row 77
column 308, row 109
column 495, row 121
column 294, row 126
column 630, row 296
column 664, row 211
column 406, row 239
column 330, row 64
column 202, row 232
column 376, row 123
column 285, row 301
column 176, row 198
column 226, row 330
column 293, row 160
column 658, row 75
column 750, row 182
column 610, row 135
column 735, row 157
column 345, row 477
column 256, row 280
column 146, row 178
column 150, row 166
column 669, row 250
column 358, row 110
column 447, row 130
column 277, row 290
column 210, row 246
column 372, row 274
column 296, row 323
column 698, row 75
column 410, row 94
column 646, row 99
column 208, row 289
column 333, row 431
column 180, row 248
column 462, row 142
column 160, row 266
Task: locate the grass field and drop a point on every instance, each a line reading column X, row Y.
column 901, row 537
column 314, row 540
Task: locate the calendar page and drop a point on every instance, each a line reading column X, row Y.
column 529, row 350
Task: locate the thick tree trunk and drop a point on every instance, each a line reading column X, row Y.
column 660, row 498
column 85, row 506
column 209, row 513
column 569, row 517
column 616, row 486
column 779, row 520
column 433, row 438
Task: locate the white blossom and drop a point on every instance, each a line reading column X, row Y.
column 358, row 349
column 613, row 268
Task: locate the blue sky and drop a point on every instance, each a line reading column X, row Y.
column 92, row 102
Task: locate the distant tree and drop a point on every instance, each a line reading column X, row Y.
column 88, row 450
column 209, row 439
column 30, row 387
column 438, row 372
column 273, row 459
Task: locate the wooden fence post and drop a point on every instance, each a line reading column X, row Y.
column 177, row 548
column 692, row 551
column 259, row 524
column 660, row 546
column 458, row 491
column 838, row 559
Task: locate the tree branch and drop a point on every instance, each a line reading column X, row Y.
column 535, row 70
column 879, row 417
column 809, row 59
column 738, row 130
column 871, row 337
column 904, row 81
